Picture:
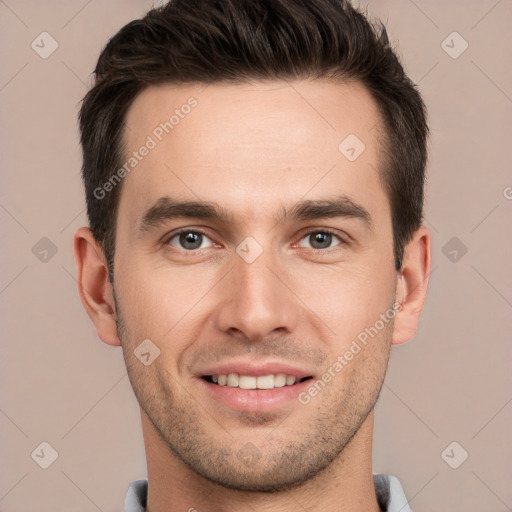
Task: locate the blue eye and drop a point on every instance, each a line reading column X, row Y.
column 189, row 240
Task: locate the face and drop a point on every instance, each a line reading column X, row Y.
column 251, row 248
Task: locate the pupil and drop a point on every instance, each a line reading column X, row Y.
column 321, row 240
column 190, row 240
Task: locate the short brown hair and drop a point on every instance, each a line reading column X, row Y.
column 208, row 41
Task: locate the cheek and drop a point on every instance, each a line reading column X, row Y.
column 346, row 299
column 160, row 302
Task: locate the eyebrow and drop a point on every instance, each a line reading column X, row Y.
column 167, row 208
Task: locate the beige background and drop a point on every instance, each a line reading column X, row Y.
column 61, row 385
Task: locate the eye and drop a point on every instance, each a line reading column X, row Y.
column 319, row 240
column 190, row 240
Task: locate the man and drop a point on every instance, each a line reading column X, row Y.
column 254, row 176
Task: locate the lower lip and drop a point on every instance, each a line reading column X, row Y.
column 255, row 400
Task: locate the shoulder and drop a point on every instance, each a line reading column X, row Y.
column 390, row 494
column 389, row 491
column 136, row 495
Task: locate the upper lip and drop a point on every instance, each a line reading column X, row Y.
column 255, row 368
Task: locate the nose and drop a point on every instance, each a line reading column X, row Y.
column 257, row 300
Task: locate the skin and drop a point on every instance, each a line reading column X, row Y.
column 255, row 149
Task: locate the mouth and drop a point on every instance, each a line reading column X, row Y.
column 271, row 381
column 254, row 393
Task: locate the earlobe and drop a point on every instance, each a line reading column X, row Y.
column 412, row 283
column 94, row 288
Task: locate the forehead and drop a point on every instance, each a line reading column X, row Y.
column 239, row 143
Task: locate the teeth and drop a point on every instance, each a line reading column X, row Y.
column 246, row 382
column 279, row 380
column 234, row 380
column 290, row 380
column 265, row 382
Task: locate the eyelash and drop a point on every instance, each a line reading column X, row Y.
column 204, row 233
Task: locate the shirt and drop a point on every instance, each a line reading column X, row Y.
column 390, row 495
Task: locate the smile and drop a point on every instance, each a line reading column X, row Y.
column 257, row 394
column 235, row 380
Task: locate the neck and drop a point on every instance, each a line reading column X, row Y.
column 346, row 485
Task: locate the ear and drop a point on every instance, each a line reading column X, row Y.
column 94, row 287
column 412, row 283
